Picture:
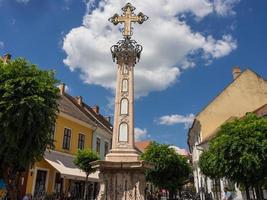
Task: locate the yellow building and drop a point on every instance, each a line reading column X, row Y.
column 74, row 129
column 247, row 92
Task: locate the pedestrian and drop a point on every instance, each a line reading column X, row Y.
column 227, row 194
column 26, row 197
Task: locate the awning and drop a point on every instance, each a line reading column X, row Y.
column 63, row 163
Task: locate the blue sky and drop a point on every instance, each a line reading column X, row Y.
column 189, row 51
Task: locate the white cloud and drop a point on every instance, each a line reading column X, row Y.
column 169, row 43
column 177, row 119
column 2, row 44
column 23, row 1
column 218, row 48
column 111, row 103
column 225, row 7
column 140, row 134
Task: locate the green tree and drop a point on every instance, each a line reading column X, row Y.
column 207, row 164
column 171, row 170
column 83, row 160
column 28, row 107
column 239, row 153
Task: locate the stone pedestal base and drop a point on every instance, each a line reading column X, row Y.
column 123, row 155
column 122, row 180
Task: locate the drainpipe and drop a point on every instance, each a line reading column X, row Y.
column 92, row 144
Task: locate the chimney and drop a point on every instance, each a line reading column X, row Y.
column 62, row 88
column 80, row 100
column 6, row 58
column 236, row 72
column 108, row 118
column 96, row 109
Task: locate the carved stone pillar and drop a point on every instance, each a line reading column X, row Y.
column 126, row 53
column 122, row 181
column 122, row 173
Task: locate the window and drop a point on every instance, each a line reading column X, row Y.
column 124, row 85
column 52, row 137
column 98, row 145
column 125, row 69
column 106, row 148
column 66, row 139
column 124, row 106
column 81, row 140
column 123, row 132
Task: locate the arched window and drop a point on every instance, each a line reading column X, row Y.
column 123, row 132
column 125, row 69
column 124, row 106
column 124, row 87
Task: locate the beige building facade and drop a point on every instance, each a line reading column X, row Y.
column 246, row 93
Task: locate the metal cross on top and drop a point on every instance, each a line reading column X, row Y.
column 127, row 18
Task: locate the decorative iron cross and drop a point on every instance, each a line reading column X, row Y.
column 127, row 18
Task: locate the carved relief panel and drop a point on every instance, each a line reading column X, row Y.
column 123, row 132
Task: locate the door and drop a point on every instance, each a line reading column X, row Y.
column 58, row 184
column 40, row 183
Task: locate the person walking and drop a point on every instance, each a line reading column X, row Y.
column 227, row 194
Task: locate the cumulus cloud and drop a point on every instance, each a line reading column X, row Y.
column 169, row 42
column 225, row 7
column 23, row 1
column 177, row 119
column 140, row 134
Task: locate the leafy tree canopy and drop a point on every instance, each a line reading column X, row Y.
column 84, row 158
column 171, row 170
column 239, row 151
column 28, row 109
column 207, row 164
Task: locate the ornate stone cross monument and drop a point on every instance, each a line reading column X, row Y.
column 126, row 53
column 127, row 18
column 122, row 172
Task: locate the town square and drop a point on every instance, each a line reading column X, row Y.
column 133, row 100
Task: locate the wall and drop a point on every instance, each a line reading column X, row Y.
column 61, row 123
column 247, row 93
column 76, row 128
column 32, row 176
column 104, row 137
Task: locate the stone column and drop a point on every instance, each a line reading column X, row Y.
column 126, row 53
column 122, row 173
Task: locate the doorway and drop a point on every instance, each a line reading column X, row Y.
column 40, row 183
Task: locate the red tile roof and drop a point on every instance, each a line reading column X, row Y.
column 142, row 145
column 261, row 111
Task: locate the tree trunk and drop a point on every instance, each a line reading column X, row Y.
column 85, row 187
column 258, row 192
column 217, row 187
column 172, row 192
column 247, row 191
column 170, row 195
column 11, row 180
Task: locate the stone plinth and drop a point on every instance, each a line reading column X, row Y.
column 122, row 180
